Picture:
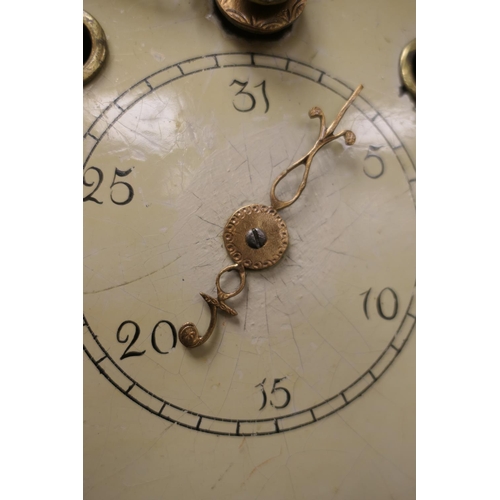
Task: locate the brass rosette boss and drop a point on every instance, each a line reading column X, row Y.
column 255, row 236
column 261, row 17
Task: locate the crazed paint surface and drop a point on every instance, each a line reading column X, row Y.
column 195, row 161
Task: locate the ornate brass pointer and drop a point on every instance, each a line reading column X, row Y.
column 255, row 236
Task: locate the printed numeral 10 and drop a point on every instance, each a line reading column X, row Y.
column 385, row 297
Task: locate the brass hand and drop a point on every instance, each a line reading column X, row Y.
column 188, row 333
column 325, row 136
column 255, row 236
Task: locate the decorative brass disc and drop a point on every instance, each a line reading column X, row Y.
column 244, row 221
column 261, row 19
column 98, row 48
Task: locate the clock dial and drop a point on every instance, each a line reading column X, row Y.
column 318, row 329
column 167, row 161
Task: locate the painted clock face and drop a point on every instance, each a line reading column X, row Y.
column 166, row 168
column 316, row 368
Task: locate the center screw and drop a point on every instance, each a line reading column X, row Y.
column 256, row 238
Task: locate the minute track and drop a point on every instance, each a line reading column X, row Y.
column 227, row 426
column 382, row 368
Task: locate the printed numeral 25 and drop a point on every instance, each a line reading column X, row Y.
column 118, row 199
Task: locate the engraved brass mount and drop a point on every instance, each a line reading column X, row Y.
column 94, row 47
column 261, row 16
column 255, row 236
column 407, row 65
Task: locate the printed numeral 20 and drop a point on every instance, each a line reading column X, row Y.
column 154, row 341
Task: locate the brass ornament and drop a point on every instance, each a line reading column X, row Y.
column 188, row 333
column 250, row 218
column 259, row 18
column 255, row 236
column 98, row 50
column 326, row 135
column 407, row 67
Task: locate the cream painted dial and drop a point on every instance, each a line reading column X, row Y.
column 166, row 162
column 315, row 331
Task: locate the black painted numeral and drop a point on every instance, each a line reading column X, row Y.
column 374, row 173
column 288, row 396
column 380, row 310
column 126, row 353
column 365, row 302
column 274, row 390
column 253, row 100
column 89, row 197
column 264, row 395
column 119, row 173
column 390, row 296
column 154, row 340
column 264, row 95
